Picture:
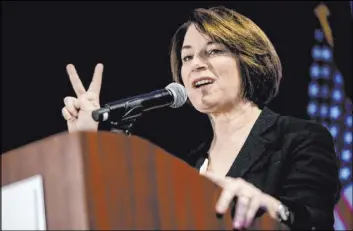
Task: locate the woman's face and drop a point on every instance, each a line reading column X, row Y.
column 210, row 73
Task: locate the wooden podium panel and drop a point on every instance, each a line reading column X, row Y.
column 108, row 181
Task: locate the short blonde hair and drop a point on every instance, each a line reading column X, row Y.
column 260, row 66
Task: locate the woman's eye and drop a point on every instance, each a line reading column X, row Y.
column 187, row 58
column 214, row 51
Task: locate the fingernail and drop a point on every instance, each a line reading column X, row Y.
column 236, row 225
column 220, row 209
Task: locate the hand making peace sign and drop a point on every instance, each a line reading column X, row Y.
column 78, row 111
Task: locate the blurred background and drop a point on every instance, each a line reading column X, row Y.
column 132, row 39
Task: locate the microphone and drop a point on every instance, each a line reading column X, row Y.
column 174, row 95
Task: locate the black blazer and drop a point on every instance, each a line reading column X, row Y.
column 293, row 160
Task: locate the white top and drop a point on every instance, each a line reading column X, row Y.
column 204, row 166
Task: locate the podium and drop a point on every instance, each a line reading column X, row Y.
column 108, row 181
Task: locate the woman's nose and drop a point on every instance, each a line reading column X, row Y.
column 198, row 64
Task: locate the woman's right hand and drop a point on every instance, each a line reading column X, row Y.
column 78, row 110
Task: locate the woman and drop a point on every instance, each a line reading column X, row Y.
column 263, row 161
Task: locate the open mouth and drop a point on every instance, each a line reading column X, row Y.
column 198, row 83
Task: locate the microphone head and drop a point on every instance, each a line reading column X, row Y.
column 179, row 94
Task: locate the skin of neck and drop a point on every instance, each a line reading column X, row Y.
column 227, row 122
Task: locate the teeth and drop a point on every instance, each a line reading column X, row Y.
column 202, row 82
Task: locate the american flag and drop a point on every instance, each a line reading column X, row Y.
column 329, row 105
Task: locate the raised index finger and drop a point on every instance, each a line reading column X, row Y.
column 75, row 80
column 96, row 83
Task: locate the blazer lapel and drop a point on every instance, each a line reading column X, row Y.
column 255, row 145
